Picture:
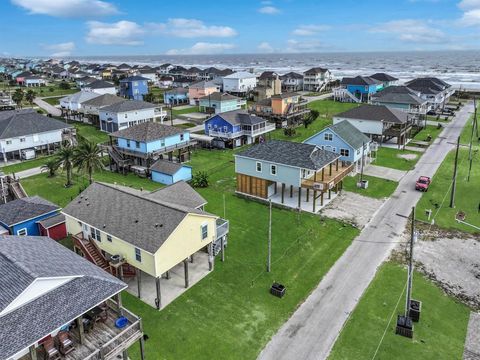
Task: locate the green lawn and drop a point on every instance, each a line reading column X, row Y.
column 440, row 118
column 53, row 100
column 377, row 188
column 440, row 334
column 329, row 108
column 90, row 132
column 430, row 130
column 390, row 157
column 185, row 111
column 25, row 165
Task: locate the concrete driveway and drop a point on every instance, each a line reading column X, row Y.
column 313, row 329
column 384, row 172
column 47, row 107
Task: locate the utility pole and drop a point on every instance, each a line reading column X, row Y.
column 413, row 236
column 363, row 161
column 470, row 158
column 269, row 255
column 454, row 180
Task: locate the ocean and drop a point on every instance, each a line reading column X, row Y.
column 459, row 68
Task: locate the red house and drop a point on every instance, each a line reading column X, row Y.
column 53, row 227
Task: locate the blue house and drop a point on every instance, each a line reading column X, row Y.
column 138, row 147
column 346, row 140
column 236, row 128
column 176, row 96
column 134, row 87
column 362, row 87
column 166, row 172
column 218, row 102
column 21, row 216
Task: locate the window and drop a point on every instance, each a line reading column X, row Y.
column 128, row 143
column 22, row 231
column 22, row 139
column 273, row 169
column 344, row 152
column 9, row 142
column 126, row 115
column 95, row 234
column 358, row 151
column 328, row 136
column 181, row 137
column 204, row 230
column 109, row 238
column 259, row 166
column 162, row 143
column 137, row 144
column 138, row 255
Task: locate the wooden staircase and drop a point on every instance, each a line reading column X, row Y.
column 91, row 252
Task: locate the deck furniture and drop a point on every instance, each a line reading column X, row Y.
column 51, row 352
column 65, row 344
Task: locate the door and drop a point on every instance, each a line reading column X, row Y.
column 85, row 231
column 271, row 189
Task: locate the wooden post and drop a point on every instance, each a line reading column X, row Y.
column 283, row 193
column 167, row 275
column 308, row 193
column 329, row 194
column 158, row 300
column 291, row 190
column 124, row 354
column 119, row 304
column 323, row 174
column 81, row 332
column 211, row 258
column 185, row 268
column 139, row 282
column 222, row 244
column 321, row 198
column 33, row 352
column 314, row 199
column 330, row 170
column 299, row 197
column 191, row 258
column 142, row 348
column 269, row 247
column 336, row 165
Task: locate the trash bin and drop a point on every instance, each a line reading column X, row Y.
column 415, row 309
column 277, row 289
column 363, row 184
column 404, row 326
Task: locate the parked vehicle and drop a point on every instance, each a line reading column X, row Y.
column 423, row 183
column 28, row 154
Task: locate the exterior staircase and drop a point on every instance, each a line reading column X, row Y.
column 343, row 95
column 117, row 157
column 91, row 252
column 17, row 190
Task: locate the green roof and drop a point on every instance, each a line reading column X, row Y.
column 350, row 134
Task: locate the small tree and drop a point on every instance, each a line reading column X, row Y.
column 30, row 96
column 51, row 166
column 149, row 97
column 64, row 85
column 65, row 158
column 289, row 131
column 200, row 179
column 87, row 158
column 310, row 118
column 51, row 89
column 18, row 96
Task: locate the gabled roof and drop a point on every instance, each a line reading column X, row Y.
column 103, row 100
column 242, row 117
column 180, row 193
column 52, row 221
column 27, row 259
column 16, row 123
column 218, row 96
column 80, row 97
column 268, row 75
column 147, row 131
column 291, row 75
column 23, row 209
column 350, row 134
column 398, row 95
column 383, row 77
column 300, row 155
column 428, row 85
column 240, row 75
column 100, row 84
column 375, row 113
column 128, row 105
column 360, row 80
column 143, row 222
column 203, row 85
column 166, row 167
column 134, row 78
column 315, row 70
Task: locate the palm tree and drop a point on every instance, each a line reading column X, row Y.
column 51, row 166
column 18, row 96
column 30, row 96
column 65, row 159
column 87, row 158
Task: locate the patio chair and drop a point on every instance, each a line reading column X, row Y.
column 51, row 352
column 65, row 344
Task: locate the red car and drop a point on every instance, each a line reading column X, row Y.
column 423, row 183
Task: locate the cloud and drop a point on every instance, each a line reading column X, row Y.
column 68, row 8
column 412, row 31
column 61, row 49
column 471, row 14
column 269, row 10
column 201, row 48
column 190, row 28
column 295, row 46
column 265, row 48
column 310, row 30
column 118, row 33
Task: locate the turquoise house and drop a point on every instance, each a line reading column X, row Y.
column 218, row 102
column 362, row 87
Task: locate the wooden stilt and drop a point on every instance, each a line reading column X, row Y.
column 222, row 244
column 283, row 193
column 185, row 268
column 321, row 198
column 299, row 197
column 81, row 332
column 139, row 283
column 211, row 258
column 308, row 194
column 33, row 352
column 158, row 300
column 291, row 190
column 142, row 348
column 314, row 199
column 167, row 275
column 329, row 194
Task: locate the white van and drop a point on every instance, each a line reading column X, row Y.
column 28, row 154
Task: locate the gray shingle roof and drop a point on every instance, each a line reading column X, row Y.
column 23, row 209
column 383, row 77
column 315, row 70
column 291, row 75
column 360, row 80
column 52, row 221
column 240, row 117
column 166, row 167
column 147, row 131
column 103, row 100
column 398, row 95
column 143, row 222
column 218, row 96
column 134, row 78
column 27, row 258
column 128, row 105
column 289, row 153
column 180, row 193
column 375, row 113
column 350, row 134
column 428, row 85
column 16, row 123
column 100, row 84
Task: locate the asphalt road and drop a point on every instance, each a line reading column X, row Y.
column 312, row 330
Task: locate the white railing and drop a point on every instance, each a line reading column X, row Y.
column 233, row 135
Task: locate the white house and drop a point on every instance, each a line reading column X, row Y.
column 101, row 87
column 127, row 113
column 239, row 82
column 27, row 129
column 74, row 102
column 316, row 78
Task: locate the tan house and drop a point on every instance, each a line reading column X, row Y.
column 268, row 84
column 144, row 234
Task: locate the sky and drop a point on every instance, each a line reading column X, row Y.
column 61, row 28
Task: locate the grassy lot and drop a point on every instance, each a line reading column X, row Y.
column 430, row 130
column 441, row 118
column 53, row 100
column 185, row 111
column 377, row 188
column 328, row 108
column 25, row 165
column 389, row 157
column 230, row 314
column 440, row 334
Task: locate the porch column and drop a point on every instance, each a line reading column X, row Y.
column 33, row 352
column 142, row 348
column 158, row 300
column 314, row 199
column 321, row 198
column 222, row 244
column 81, row 331
column 283, row 192
column 329, row 194
column 211, row 258
column 119, row 304
column 308, row 193
column 330, row 170
column 191, row 258
column 139, row 282
column 299, row 197
column 291, row 190
column 185, row 268
column 167, row 275
column 336, row 165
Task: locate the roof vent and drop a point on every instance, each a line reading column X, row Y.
column 136, row 221
column 104, row 226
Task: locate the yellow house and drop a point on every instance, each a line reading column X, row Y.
column 127, row 231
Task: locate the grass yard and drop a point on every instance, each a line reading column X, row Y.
column 390, row 157
column 329, row 108
column 89, row 132
column 440, row 334
column 185, row 111
column 25, row 165
column 53, row 100
column 430, row 130
column 377, row 188
column 230, row 314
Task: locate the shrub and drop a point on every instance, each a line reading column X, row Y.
column 200, row 179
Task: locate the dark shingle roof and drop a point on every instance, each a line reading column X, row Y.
column 289, row 153
column 166, row 167
column 27, row 122
column 383, row 77
column 218, row 96
column 23, row 209
column 143, row 222
column 180, row 193
column 24, row 259
column 52, row 221
column 291, row 75
column 399, row 95
column 350, row 134
column 268, row 75
column 100, row 84
column 147, row 131
column 359, row 80
column 316, row 70
column 375, row 113
column 103, row 100
column 128, row 105
column 428, row 85
column 134, row 78
column 242, row 117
